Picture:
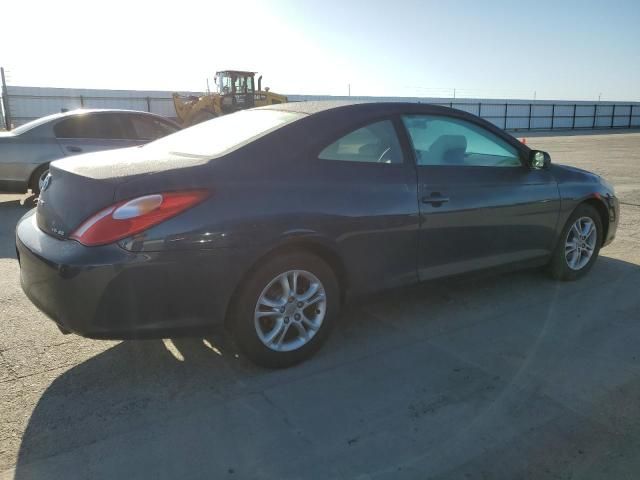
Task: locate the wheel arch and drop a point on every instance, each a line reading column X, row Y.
column 602, row 210
column 322, row 249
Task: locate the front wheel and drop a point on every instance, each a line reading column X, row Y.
column 286, row 309
column 579, row 244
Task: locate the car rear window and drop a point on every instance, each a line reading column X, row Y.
column 148, row 128
column 222, row 135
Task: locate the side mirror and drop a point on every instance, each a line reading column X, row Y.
column 538, row 160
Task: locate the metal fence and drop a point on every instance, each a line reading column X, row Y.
column 554, row 116
column 516, row 115
column 23, row 104
column 162, row 106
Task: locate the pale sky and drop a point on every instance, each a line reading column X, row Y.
column 501, row 49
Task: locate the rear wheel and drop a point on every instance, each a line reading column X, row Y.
column 579, row 244
column 38, row 178
column 285, row 310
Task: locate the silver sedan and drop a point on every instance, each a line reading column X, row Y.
column 25, row 152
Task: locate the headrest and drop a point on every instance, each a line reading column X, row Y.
column 448, row 149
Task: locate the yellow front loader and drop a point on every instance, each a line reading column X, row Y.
column 235, row 91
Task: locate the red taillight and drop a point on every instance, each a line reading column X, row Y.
column 134, row 216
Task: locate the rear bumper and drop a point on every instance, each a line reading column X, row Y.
column 108, row 292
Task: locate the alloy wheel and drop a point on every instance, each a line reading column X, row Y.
column 580, row 243
column 290, row 310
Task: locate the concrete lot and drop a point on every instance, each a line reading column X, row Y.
column 492, row 376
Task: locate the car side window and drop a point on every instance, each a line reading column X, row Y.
column 375, row 143
column 91, row 126
column 149, row 128
column 441, row 140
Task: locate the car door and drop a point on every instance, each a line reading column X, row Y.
column 480, row 206
column 91, row 132
column 365, row 183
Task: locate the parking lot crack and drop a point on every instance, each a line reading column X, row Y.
column 20, row 377
column 285, row 417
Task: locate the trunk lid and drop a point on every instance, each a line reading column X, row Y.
column 80, row 186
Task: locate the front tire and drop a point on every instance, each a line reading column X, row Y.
column 579, row 244
column 286, row 309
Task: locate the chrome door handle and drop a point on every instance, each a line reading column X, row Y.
column 435, row 199
column 74, row 149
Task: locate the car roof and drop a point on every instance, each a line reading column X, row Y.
column 316, row 106
column 81, row 111
column 334, row 114
column 358, row 106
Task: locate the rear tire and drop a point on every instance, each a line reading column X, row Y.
column 37, row 178
column 576, row 252
column 269, row 322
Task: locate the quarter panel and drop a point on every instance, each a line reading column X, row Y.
column 368, row 215
column 108, row 292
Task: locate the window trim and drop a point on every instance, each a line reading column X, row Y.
column 130, row 117
column 480, row 124
column 168, row 122
column 398, row 128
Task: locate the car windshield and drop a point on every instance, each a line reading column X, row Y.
column 224, row 134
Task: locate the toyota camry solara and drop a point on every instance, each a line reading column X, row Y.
column 266, row 220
